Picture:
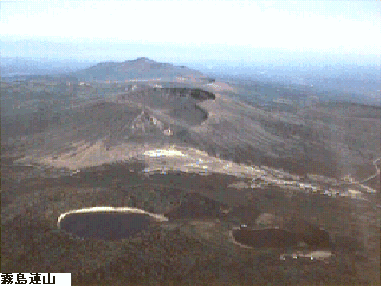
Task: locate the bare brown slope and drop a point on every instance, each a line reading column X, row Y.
column 320, row 139
column 221, row 127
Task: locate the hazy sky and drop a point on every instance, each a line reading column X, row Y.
column 235, row 31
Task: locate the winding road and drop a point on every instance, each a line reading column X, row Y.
column 377, row 171
column 360, row 183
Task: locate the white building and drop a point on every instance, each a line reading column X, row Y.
column 168, row 132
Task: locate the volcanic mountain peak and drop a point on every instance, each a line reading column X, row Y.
column 143, row 59
column 140, row 68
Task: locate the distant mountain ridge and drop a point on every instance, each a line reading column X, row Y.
column 25, row 66
column 141, row 69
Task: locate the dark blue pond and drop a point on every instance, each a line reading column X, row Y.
column 105, row 225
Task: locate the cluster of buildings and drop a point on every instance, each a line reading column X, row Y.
column 82, row 83
column 265, row 176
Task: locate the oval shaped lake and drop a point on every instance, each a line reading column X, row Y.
column 272, row 237
column 107, row 223
column 280, row 238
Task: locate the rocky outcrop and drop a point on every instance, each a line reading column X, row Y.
column 145, row 122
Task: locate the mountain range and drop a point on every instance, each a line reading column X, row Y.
column 228, row 163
